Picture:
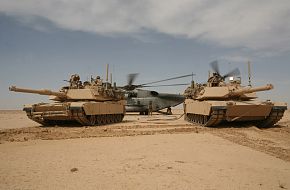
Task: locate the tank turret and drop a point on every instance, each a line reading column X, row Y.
column 78, row 91
column 219, row 100
column 90, row 103
column 226, row 92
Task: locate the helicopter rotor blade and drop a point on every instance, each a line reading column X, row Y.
column 234, row 72
column 165, row 85
column 167, row 79
column 131, row 78
column 215, row 67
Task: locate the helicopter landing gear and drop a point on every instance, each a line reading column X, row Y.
column 144, row 113
column 169, row 112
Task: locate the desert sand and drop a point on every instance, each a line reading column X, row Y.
column 143, row 152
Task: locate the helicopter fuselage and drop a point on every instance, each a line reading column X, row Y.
column 139, row 100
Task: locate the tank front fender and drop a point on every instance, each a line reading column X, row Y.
column 279, row 108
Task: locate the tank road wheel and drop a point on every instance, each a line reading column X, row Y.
column 191, row 118
column 102, row 119
column 117, row 118
column 198, row 118
column 120, row 118
column 97, row 120
column 107, row 119
column 92, row 120
column 194, row 118
column 112, row 118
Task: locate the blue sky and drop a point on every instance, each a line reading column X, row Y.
column 43, row 43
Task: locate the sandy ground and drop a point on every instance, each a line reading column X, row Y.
column 157, row 152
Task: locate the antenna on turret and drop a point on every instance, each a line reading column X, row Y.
column 107, row 72
column 249, row 73
column 107, row 75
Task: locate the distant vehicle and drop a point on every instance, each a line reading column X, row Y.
column 217, row 101
column 89, row 103
column 138, row 100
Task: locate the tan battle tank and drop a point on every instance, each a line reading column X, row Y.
column 88, row 103
column 216, row 101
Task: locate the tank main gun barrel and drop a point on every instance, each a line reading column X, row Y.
column 41, row 92
column 251, row 89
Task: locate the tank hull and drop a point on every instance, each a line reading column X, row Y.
column 212, row 113
column 83, row 113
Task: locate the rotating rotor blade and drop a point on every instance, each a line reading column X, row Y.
column 166, row 85
column 167, row 79
column 131, row 78
column 215, row 67
column 234, row 72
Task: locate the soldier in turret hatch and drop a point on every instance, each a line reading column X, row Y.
column 215, row 80
column 99, row 81
column 190, row 91
column 75, row 81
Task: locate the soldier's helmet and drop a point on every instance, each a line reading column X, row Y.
column 75, row 77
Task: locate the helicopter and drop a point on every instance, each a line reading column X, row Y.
column 138, row 100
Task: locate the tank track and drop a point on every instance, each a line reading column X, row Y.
column 272, row 119
column 81, row 118
column 214, row 119
column 218, row 116
column 92, row 120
